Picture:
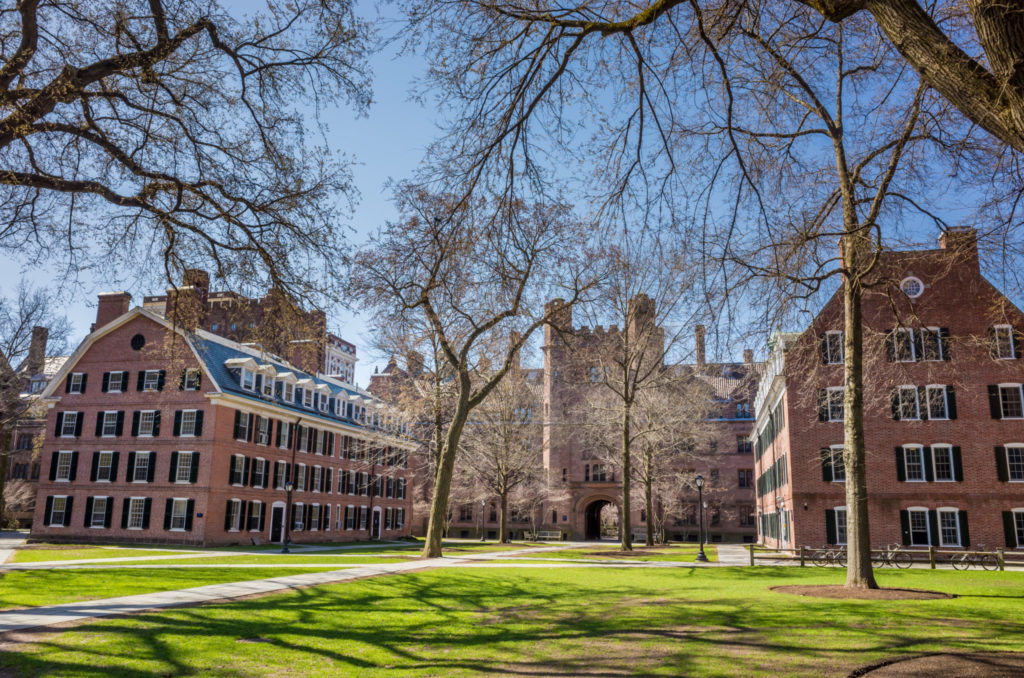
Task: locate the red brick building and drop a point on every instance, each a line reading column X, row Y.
column 944, row 419
column 160, row 435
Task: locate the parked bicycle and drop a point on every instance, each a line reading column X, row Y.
column 892, row 555
column 987, row 561
column 830, row 556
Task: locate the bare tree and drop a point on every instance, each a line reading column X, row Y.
column 501, row 443
column 529, row 499
column 167, row 130
column 470, row 271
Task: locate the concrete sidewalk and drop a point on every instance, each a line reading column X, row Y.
column 9, row 541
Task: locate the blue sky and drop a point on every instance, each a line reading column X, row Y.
column 387, row 144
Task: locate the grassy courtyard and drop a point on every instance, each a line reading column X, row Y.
column 612, row 621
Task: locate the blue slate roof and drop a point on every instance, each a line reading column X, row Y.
column 215, row 354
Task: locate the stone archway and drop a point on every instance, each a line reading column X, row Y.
column 592, row 519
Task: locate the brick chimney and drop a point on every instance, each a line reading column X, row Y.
column 698, row 333
column 748, row 356
column 36, row 361
column 111, row 305
column 187, row 305
column 962, row 241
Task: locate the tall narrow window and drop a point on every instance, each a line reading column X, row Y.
column 832, row 350
column 99, row 512
column 835, row 403
column 136, row 513
column 913, row 459
column 840, row 525
column 931, row 344
column 949, row 527
column 57, row 511
column 64, row 460
column 838, row 467
column 918, row 519
column 183, row 473
column 903, row 345
column 69, row 424
column 1009, row 399
column 1002, row 342
column 937, row 404
column 942, row 458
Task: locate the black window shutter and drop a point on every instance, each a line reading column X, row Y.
column 69, row 502
column 238, row 425
column 929, row 472
column 922, row 403
column 245, row 471
column 823, row 345
column 993, row 345
column 152, row 467
column 74, row 466
column 110, row 510
column 120, row 423
column 67, row 384
column 141, row 381
column 329, row 473
column 199, row 379
column 918, row 345
column 156, row 423
column 171, row 475
column 177, row 422
column 307, row 512
column 1010, row 529
column 994, row 406
column 193, row 474
column 258, row 383
column 160, row 380
column 826, row 464
column 251, row 429
column 965, row 533
column 85, row 378
column 125, row 505
column 958, row 464
column 277, row 434
column 905, row 527
column 822, row 405
column 890, row 346
column 944, row 341
column 933, row 528
column 147, row 508
column 181, row 380
column 135, row 422
column 169, row 506
column 199, row 423
column 951, row 402
column 129, row 472
column 78, row 423
column 894, row 403
column 1002, row 466
column 94, row 466
column 830, row 526
column 248, row 514
column 1016, row 342
column 49, row 510
column 263, row 516
column 330, row 444
column 99, row 423
column 252, row 473
column 190, row 506
column 227, row 515
column 59, row 426
column 277, row 468
column 901, row 469
column 106, row 382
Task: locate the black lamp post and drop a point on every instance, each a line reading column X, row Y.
column 287, row 513
column 699, row 482
column 483, row 507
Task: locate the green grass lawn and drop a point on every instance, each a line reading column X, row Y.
column 278, row 559
column 700, row 622
column 38, row 555
column 31, row 588
column 680, row 553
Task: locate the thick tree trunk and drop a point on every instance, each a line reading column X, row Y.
column 625, row 525
column 648, row 512
column 503, row 519
column 443, row 482
column 858, row 536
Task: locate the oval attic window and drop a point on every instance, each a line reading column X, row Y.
column 138, row 341
column 912, row 287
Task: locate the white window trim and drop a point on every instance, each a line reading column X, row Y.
column 261, row 504
column 177, row 470
column 63, row 513
column 1013, row 354
column 231, row 469
column 952, row 468
column 1020, row 388
column 149, row 460
column 264, row 474
column 834, row 449
column 64, row 424
column 76, row 388
column 99, row 466
column 145, row 381
column 909, row 332
column 1006, row 451
column 195, row 417
column 959, row 531
column 839, row 334
column 927, row 526
column 284, row 429
column 189, row 372
column 928, row 403
column 101, row 526
column 828, row 400
column 238, row 515
column 131, row 501
column 1015, row 511
column 103, row 430
column 245, row 372
column 920, row 451
column 141, row 414
column 937, row 331
column 917, row 402
column 912, row 278
column 121, row 381
column 60, row 455
column 184, row 516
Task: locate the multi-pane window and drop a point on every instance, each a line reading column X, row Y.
column 942, row 458
column 151, row 382
column 259, row 472
column 109, row 426
column 314, row 517
column 188, row 422
column 315, row 478
column 288, row 393
column 248, row 380
column 263, row 431
column 268, row 386
column 350, row 517
column 321, row 442
column 937, row 405
column 841, row 525
column 908, row 405
column 68, row 424
column 399, row 518
column 1018, row 522
column 237, row 469
column 949, row 527
column 142, row 462
column 1009, row 399
column 1002, row 342
column 307, row 398
column 136, row 512
column 903, row 345
column 913, row 462
column 324, row 402
column 746, row 477
column 838, row 465
column 57, row 509
column 832, row 347
column 104, row 466
column 190, row 382
column 115, row 382
column 147, row 422
column 183, row 473
column 76, row 382
column 1015, row 462
column 300, row 477
column 283, row 430
column 179, row 509
column 99, row 512
column 244, row 422
column 234, row 516
column 280, row 475
column 255, row 513
column 834, row 403
column 918, row 527
column 931, row 344
column 64, row 460
column 364, row 515
column 304, row 436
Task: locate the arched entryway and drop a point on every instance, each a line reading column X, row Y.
column 592, row 518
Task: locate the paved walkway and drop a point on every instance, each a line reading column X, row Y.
column 733, row 555
column 9, row 541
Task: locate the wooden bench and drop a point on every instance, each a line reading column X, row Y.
column 549, row 535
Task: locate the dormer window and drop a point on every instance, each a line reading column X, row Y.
column 268, row 387
column 248, row 380
column 288, row 393
column 307, row 398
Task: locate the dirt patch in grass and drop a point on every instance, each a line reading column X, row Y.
column 969, row 665
column 825, row 591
